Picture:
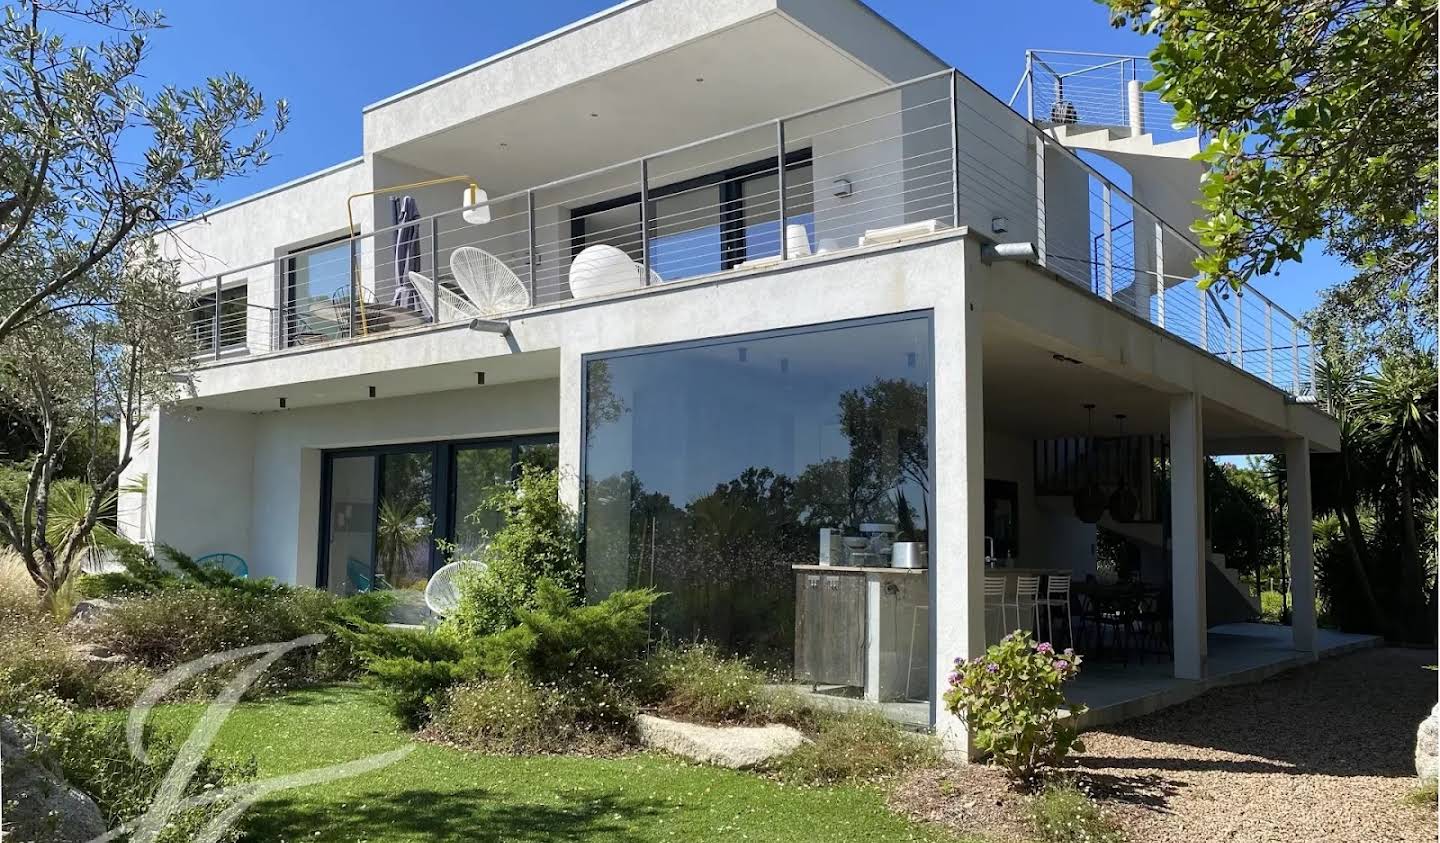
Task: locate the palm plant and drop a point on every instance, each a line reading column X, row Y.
column 400, row 527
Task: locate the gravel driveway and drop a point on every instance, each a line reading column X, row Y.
column 1322, row 753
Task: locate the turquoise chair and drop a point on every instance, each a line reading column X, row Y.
column 361, row 579
column 227, row 562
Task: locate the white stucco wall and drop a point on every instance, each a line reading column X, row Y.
column 202, row 470
column 284, row 499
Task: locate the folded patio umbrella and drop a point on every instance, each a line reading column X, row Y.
column 407, row 252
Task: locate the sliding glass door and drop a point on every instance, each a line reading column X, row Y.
column 385, row 508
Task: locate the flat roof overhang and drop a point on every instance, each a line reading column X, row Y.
column 638, row 78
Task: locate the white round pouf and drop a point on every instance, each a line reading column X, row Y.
column 601, row 269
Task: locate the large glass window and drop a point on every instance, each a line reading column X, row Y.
column 234, row 319
column 713, row 469
column 317, row 303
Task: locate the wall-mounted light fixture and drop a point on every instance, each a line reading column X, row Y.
column 999, row 225
column 842, row 187
column 282, row 403
column 372, row 392
column 479, row 378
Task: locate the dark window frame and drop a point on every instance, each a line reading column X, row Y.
column 287, row 300
column 442, row 489
column 732, row 203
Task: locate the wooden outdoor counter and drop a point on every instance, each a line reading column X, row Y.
column 857, row 626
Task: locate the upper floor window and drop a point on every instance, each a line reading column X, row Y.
column 708, row 223
column 233, row 316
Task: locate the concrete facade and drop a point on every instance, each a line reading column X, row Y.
column 1017, row 348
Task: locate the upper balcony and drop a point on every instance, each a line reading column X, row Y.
column 905, row 162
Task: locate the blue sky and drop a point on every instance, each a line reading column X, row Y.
column 330, row 59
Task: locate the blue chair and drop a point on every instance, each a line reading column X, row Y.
column 359, row 575
column 227, row 562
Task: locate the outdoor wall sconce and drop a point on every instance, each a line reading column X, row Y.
column 999, row 225
column 842, row 187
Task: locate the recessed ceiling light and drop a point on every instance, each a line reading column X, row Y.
column 699, row 78
column 593, row 114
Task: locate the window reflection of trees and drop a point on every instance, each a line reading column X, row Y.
column 724, row 559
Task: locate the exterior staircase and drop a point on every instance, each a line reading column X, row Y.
column 1116, row 141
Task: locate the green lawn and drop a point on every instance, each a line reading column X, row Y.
column 443, row 794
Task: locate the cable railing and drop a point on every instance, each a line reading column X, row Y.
column 891, row 166
column 1099, row 90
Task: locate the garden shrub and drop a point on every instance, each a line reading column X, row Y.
column 165, row 628
column 413, row 669
column 1062, row 814
column 146, row 574
column 512, row 716
column 1011, row 699
column 94, row 756
column 558, row 639
column 540, row 539
column 856, row 748
column 697, row 682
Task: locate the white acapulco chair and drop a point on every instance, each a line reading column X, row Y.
column 487, row 282
column 451, row 307
column 442, row 594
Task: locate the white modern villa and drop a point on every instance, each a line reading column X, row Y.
column 852, row 359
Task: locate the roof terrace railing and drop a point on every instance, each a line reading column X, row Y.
column 916, row 158
column 1096, row 89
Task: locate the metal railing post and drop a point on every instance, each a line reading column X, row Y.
column 1269, row 342
column 1205, row 320
column 435, row 267
column 530, row 233
column 780, row 185
column 1294, row 358
column 215, row 328
column 1310, row 344
column 1105, row 205
column 1159, row 275
column 1240, row 328
column 1040, row 255
column 354, row 283
column 645, row 219
column 954, row 149
column 1030, row 86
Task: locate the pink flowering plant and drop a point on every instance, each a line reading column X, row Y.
column 1011, row 700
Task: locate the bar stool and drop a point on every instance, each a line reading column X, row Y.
column 1057, row 596
column 1027, row 597
column 994, row 605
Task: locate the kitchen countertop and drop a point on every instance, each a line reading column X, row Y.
column 851, row 569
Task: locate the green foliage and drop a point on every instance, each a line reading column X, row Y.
column 173, row 625
column 1062, row 814
column 539, row 539
column 145, row 574
column 1011, row 698
column 510, row 715
column 94, row 756
column 589, row 655
column 860, row 748
column 559, row 641
column 1322, row 117
column 700, row 684
column 413, row 668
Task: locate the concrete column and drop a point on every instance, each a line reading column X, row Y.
column 957, row 556
column 572, row 434
column 1302, row 544
column 1187, row 529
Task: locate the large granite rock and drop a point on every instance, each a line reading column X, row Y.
column 39, row 804
column 90, row 611
column 736, row 747
column 1427, row 746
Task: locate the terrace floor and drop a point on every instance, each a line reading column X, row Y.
column 1239, row 653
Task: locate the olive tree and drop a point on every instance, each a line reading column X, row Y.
column 90, row 160
column 96, row 161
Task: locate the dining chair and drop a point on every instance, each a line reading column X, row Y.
column 1057, row 598
column 994, row 605
column 1027, row 600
